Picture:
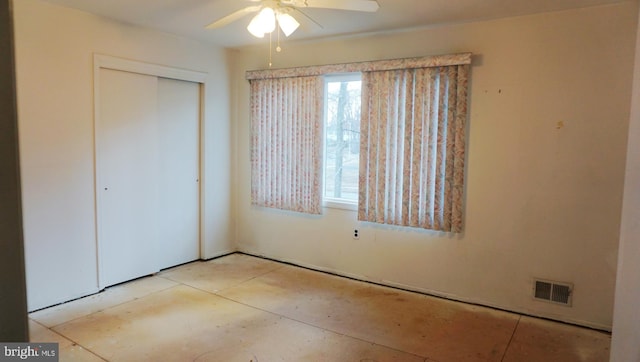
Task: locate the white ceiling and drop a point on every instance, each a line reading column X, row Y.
column 189, row 17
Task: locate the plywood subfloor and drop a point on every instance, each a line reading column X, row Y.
column 242, row 308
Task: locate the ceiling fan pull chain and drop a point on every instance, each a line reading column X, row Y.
column 278, row 49
column 270, row 57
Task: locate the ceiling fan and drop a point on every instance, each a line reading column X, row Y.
column 278, row 12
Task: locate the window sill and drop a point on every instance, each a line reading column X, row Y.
column 339, row 204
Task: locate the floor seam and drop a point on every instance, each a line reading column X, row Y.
column 511, row 339
column 322, row 328
column 257, row 276
column 75, row 343
column 280, row 266
column 104, row 309
column 300, row 321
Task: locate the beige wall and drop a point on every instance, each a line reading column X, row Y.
column 54, row 51
column 626, row 323
column 549, row 111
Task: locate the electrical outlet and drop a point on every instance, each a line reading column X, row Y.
column 356, row 234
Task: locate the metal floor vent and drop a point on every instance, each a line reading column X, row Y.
column 554, row 292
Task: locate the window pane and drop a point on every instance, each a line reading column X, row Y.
column 342, row 137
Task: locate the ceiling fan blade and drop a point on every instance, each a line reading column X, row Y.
column 233, row 17
column 353, row 5
column 312, row 20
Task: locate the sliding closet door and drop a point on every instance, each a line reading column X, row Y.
column 178, row 152
column 127, row 169
column 147, row 153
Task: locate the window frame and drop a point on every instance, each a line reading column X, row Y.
column 331, row 202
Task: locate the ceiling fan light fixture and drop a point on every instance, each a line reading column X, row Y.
column 287, row 23
column 255, row 29
column 263, row 23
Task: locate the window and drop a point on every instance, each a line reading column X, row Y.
column 392, row 146
column 342, row 139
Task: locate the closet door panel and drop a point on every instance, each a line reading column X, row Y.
column 178, row 152
column 127, row 172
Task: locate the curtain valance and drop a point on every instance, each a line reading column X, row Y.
column 369, row 66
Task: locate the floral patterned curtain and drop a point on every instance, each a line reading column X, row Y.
column 286, row 143
column 412, row 148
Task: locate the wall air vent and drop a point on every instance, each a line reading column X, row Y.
column 554, row 292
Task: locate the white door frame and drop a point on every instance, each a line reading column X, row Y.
column 101, row 61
